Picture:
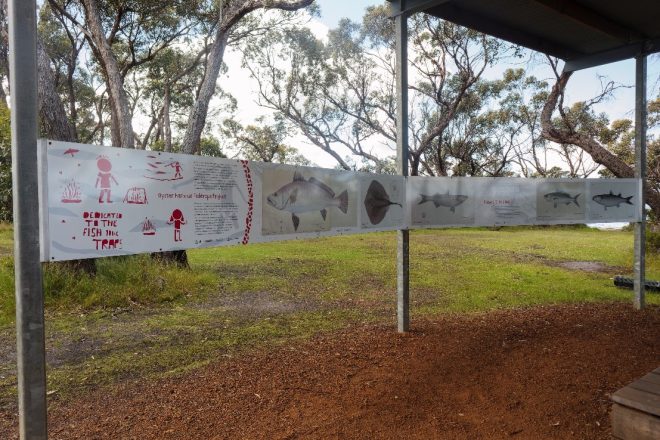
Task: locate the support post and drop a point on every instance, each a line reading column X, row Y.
column 403, row 239
column 640, row 173
column 29, row 290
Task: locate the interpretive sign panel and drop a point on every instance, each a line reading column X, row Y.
column 477, row 201
column 104, row 201
column 441, row 202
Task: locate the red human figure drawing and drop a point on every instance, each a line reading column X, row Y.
column 177, row 219
column 104, row 178
column 177, row 170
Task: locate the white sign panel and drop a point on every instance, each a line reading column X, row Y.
column 474, row 201
column 382, row 201
column 505, row 201
column 561, row 201
column 613, row 200
column 103, row 201
column 441, row 202
column 299, row 199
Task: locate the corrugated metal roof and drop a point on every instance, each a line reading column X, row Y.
column 583, row 33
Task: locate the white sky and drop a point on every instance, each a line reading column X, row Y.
column 584, row 84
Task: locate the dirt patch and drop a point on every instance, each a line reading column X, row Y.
column 589, row 266
column 541, row 373
column 258, row 304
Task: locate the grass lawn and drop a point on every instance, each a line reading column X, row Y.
column 139, row 318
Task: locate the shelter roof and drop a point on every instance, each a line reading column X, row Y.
column 584, row 33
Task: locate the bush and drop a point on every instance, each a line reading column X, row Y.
column 5, row 165
column 652, row 241
column 119, row 282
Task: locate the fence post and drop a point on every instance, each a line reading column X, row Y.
column 29, row 290
column 403, row 238
column 640, row 173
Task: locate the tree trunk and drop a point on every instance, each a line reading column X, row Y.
column 167, row 126
column 230, row 14
column 54, row 122
column 178, row 258
column 598, row 152
column 197, row 117
column 121, row 113
column 56, row 126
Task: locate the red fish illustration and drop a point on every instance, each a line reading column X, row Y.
column 71, row 151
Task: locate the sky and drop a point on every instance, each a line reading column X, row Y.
column 582, row 86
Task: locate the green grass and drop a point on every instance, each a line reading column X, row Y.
column 140, row 318
column 119, row 282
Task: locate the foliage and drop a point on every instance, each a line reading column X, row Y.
column 263, row 143
column 119, row 282
column 210, row 146
column 6, row 213
column 619, row 138
column 653, row 241
column 340, row 94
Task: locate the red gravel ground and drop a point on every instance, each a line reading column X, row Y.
column 538, row 373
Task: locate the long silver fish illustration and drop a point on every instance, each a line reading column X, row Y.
column 561, row 197
column 450, row 201
column 377, row 202
column 611, row 199
column 306, row 196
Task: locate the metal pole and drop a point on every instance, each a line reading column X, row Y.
column 403, row 239
column 640, row 173
column 29, row 292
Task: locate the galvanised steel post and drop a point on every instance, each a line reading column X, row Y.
column 640, row 173
column 403, row 238
column 29, row 290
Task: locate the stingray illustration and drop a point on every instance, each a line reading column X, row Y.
column 377, row 202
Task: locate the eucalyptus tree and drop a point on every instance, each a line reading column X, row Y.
column 225, row 17
column 166, row 90
column 340, row 93
column 124, row 35
column 610, row 145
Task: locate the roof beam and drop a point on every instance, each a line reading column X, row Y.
column 611, row 56
column 592, row 19
column 487, row 25
column 409, row 7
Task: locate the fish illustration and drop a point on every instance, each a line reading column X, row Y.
column 449, row 200
column 611, row 199
column 306, row 196
column 71, row 151
column 377, row 202
column 561, row 197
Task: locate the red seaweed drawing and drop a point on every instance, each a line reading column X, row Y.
column 71, row 193
column 136, row 196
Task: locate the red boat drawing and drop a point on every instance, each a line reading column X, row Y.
column 148, row 227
